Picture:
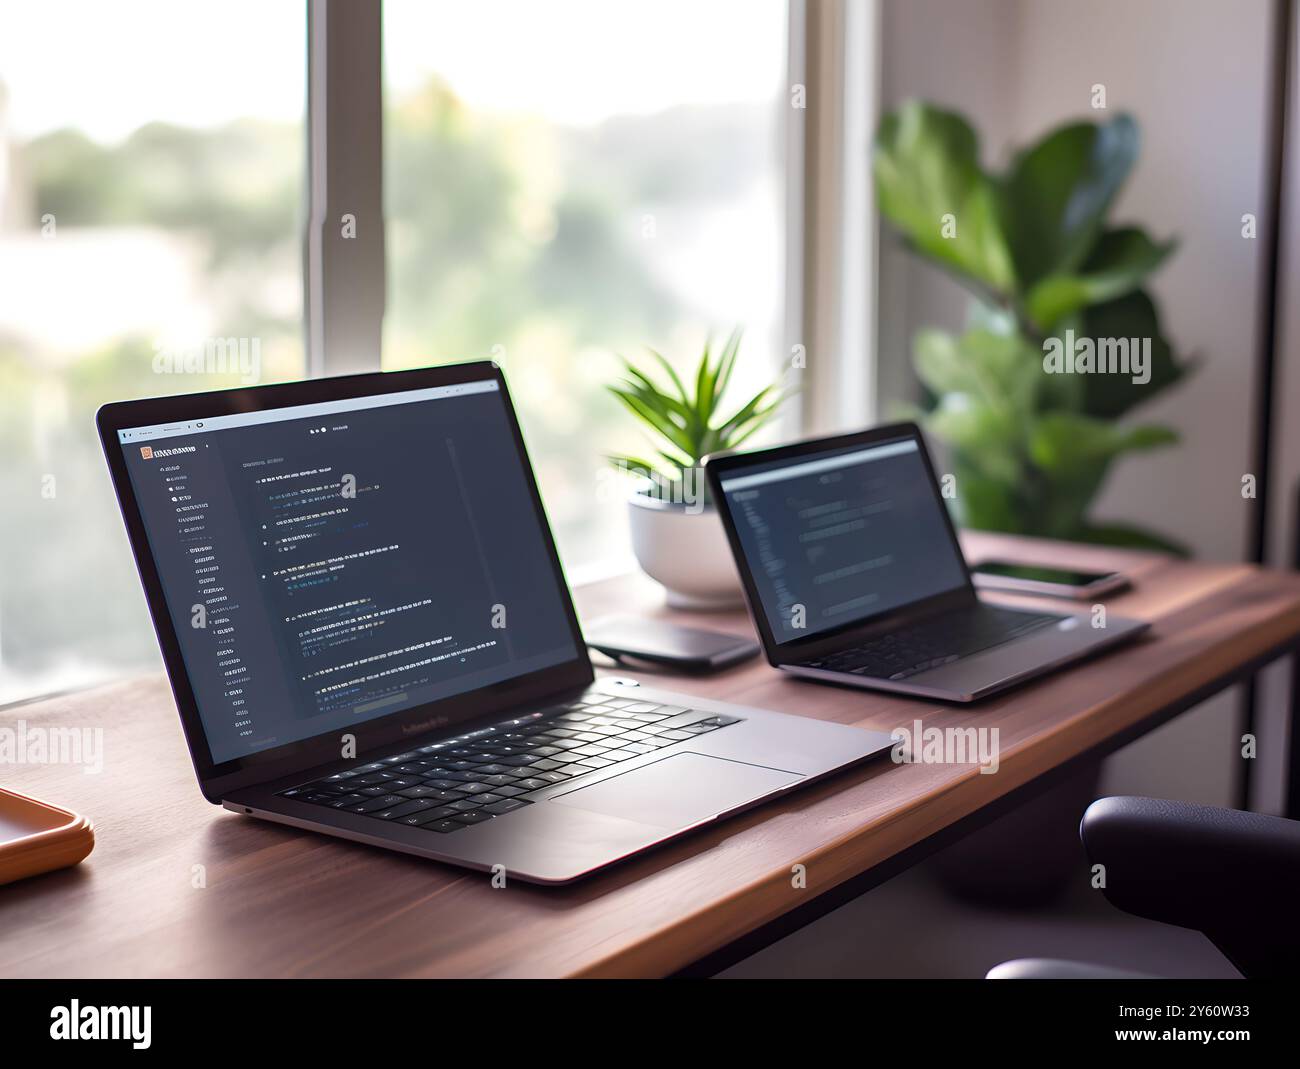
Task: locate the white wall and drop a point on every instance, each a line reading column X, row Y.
column 1195, row 73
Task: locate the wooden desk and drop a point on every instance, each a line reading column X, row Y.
column 282, row 903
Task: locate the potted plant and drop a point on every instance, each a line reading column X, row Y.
column 676, row 533
column 1029, row 435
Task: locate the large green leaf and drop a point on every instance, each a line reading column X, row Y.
column 937, row 359
column 928, row 177
column 989, row 437
column 1066, row 443
column 1002, row 370
column 1132, row 317
column 1118, row 263
column 985, row 503
column 1056, row 194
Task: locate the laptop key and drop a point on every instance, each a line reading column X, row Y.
column 330, row 787
column 388, row 801
column 417, row 792
column 506, row 805
column 690, row 716
column 405, row 810
column 415, row 820
column 572, row 770
column 475, row 817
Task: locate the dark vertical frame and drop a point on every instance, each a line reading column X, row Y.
column 1266, row 360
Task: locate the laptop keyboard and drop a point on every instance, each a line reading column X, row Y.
column 935, row 642
column 487, row 773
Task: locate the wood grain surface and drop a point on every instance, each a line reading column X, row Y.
column 177, row 887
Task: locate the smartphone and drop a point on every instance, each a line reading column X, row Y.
column 1038, row 579
column 687, row 648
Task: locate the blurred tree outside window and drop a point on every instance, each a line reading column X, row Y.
column 563, row 182
column 150, row 201
column 571, row 180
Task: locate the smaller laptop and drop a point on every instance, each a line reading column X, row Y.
column 853, row 573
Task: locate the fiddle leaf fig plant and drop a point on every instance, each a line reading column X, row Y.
column 1062, row 340
column 686, row 422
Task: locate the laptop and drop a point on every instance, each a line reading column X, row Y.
column 368, row 634
column 853, row 573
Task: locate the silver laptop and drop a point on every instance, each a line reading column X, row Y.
column 854, row 575
column 368, row 634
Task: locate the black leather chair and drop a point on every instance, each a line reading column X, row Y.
column 1233, row 876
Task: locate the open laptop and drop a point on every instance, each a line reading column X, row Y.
column 368, row 633
column 853, row 573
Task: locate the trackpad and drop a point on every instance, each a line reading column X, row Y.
column 678, row 790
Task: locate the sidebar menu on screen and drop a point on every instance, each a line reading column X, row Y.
column 324, row 571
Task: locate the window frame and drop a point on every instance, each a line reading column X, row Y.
column 830, row 226
column 832, row 52
column 832, row 233
column 344, row 269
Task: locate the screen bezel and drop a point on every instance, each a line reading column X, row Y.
column 719, row 466
column 217, row 779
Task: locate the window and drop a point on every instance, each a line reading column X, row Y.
column 572, row 180
column 562, row 183
column 150, row 234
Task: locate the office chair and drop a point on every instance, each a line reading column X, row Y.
column 1231, row 875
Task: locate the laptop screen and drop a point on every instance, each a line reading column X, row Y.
column 833, row 539
column 333, row 563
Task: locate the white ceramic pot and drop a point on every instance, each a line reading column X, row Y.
column 685, row 549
